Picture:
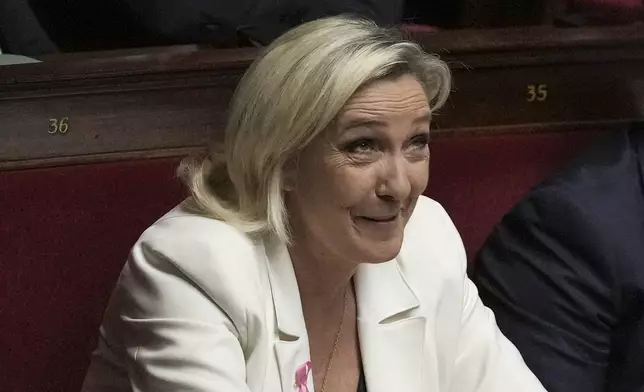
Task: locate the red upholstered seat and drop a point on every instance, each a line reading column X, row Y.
column 66, row 231
column 479, row 178
column 623, row 11
column 419, row 29
column 610, row 4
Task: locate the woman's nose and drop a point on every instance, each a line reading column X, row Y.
column 394, row 182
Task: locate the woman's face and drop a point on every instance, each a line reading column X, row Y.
column 353, row 189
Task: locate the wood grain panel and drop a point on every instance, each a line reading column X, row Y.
column 167, row 101
column 570, row 93
column 114, row 122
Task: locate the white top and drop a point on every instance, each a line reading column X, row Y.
column 200, row 307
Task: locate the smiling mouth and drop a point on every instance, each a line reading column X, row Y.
column 380, row 219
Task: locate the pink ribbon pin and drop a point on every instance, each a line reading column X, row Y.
column 302, row 375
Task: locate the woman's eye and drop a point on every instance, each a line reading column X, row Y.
column 362, row 146
column 420, row 141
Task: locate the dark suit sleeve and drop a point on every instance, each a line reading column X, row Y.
column 548, row 299
column 21, row 32
column 564, row 273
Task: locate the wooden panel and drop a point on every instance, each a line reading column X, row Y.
column 169, row 101
column 91, row 123
column 129, row 104
column 575, row 93
column 530, row 39
column 499, row 13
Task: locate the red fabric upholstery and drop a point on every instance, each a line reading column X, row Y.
column 416, row 28
column 623, row 4
column 478, row 179
column 65, row 233
column 617, row 11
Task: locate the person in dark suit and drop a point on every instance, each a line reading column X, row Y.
column 564, row 271
column 35, row 27
column 21, row 32
column 260, row 21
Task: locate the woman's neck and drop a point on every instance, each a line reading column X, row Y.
column 329, row 310
column 323, row 279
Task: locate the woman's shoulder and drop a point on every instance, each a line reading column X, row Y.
column 431, row 239
column 430, row 223
column 209, row 253
column 426, row 208
column 186, row 232
column 184, row 226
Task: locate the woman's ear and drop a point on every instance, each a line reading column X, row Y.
column 289, row 176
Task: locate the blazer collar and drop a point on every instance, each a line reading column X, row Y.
column 291, row 344
column 391, row 338
column 286, row 292
column 381, row 290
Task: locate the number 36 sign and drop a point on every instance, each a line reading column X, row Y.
column 58, row 125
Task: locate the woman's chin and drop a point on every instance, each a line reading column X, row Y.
column 382, row 252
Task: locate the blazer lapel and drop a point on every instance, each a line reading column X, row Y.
column 392, row 339
column 292, row 346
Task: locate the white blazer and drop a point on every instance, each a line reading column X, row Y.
column 200, row 307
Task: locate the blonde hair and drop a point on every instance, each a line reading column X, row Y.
column 290, row 94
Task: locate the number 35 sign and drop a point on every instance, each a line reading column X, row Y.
column 537, row 92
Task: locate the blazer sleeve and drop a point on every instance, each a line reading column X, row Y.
column 176, row 336
column 486, row 361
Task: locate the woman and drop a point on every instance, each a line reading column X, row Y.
column 286, row 270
